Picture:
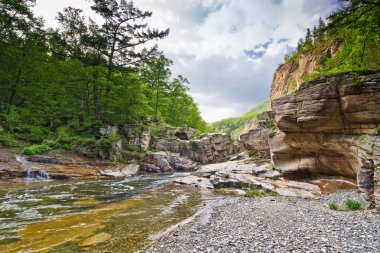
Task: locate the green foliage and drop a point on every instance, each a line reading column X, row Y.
column 61, row 86
column 7, row 139
column 350, row 205
column 353, row 205
column 226, row 176
column 235, row 126
column 333, row 206
column 36, row 149
column 255, row 193
column 357, row 27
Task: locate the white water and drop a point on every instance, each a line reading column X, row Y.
column 33, row 173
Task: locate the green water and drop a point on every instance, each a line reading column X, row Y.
column 90, row 216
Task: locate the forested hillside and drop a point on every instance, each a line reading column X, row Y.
column 348, row 42
column 64, row 84
column 235, row 126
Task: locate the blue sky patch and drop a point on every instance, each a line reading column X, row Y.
column 254, row 54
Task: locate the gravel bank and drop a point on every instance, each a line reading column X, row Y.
column 274, row 224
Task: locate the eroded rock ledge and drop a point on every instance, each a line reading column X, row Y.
column 331, row 126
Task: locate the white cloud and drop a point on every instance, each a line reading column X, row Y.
column 208, row 39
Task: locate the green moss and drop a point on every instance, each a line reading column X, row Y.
column 368, row 151
column 255, row 193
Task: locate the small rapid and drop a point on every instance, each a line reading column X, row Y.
column 62, row 215
column 33, row 173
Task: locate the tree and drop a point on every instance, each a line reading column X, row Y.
column 156, row 73
column 352, row 11
column 119, row 38
column 315, row 35
column 321, row 30
column 300, row 44
column 22, row 43
column 308, row 38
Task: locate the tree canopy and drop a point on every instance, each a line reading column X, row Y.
column 71, row 81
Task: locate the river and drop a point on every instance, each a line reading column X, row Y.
column 91, row 216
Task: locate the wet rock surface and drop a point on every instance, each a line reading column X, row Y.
column 9, row 166
column 274, row 224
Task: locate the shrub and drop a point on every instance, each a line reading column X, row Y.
column 36, row 149
column 7, row 139
column 38, row 134
column 226, row 176
column 353, row 205
column 255, row 193
column 333, row 206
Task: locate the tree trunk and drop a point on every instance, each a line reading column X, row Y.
column 156, row 107
column 13, row 91
column 96, row 95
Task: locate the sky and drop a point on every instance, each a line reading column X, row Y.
column 228, row 49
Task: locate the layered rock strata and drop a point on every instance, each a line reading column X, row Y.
column 330, row 126
column 211, row 148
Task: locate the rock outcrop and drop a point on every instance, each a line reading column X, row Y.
column 157, row 162
column 256, row 140
column 211, row 148
column 248, row 174
column 287, row 77
column 323, row 129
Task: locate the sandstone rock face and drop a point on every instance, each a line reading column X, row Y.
column 212, row 148
column 287, row 77
column 61, row 166
column 322, row 127
column 9, row 167
column 256, row 140
column 167, row 162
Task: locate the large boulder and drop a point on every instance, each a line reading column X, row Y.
column 158, row 162
column 323, row 128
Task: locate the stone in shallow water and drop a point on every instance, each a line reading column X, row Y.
column 95, row 239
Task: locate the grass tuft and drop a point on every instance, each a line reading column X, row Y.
column 226, row 176
column 333, row 206
column 255, row 193
column 353, row 205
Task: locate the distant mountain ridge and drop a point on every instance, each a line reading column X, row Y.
column 238, row 125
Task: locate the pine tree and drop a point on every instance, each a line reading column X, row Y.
column 300, row 44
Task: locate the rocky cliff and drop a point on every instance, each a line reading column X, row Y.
column 331, row 126
column 288, row 76
column 211, row 148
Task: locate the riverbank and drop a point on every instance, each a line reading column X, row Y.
column 274, row 224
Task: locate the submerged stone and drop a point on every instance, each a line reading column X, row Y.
column 95, row 239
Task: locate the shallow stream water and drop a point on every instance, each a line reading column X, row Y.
column 91, row 216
